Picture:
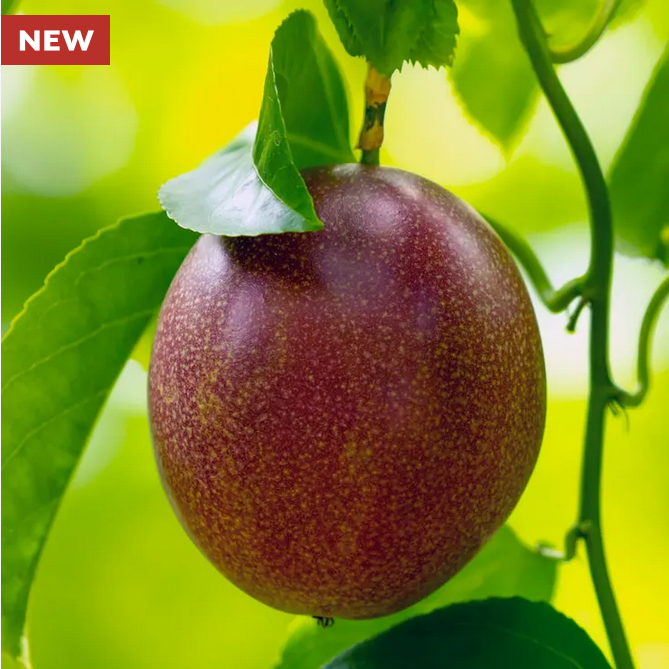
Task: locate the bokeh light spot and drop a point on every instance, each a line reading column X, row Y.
column 68, row 128
column 215, row 12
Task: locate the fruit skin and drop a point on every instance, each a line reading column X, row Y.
column 342, row 418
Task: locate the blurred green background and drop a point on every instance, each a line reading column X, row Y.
column 120, row 584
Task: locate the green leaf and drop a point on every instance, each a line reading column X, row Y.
column 436, row 41
column 61, row 357
column 639, row 177
column 479, row 635
column 308, row 94
column 505, row 567
column 226, row 196
column 253, row 186
column 492, row 75
column 388, row 33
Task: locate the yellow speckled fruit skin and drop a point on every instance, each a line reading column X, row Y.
column 342, row 418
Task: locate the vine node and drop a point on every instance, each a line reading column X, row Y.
column 574, row 316
column 571, row 539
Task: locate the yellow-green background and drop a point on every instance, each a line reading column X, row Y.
column 120, row 586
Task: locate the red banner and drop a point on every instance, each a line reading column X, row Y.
column 55, row 40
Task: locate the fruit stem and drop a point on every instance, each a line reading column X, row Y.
column 377, row 90
column 597, row 289
column 370, row 157
column 597, row 27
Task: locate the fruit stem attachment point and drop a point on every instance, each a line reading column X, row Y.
column 370, row 157
column 377, row 90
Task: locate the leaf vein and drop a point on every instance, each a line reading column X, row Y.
column 130, row 257
column 73, row 407
column 336, row 154
column 67, row 347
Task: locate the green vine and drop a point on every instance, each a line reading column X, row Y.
column 599, row 23
column 595, row 288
